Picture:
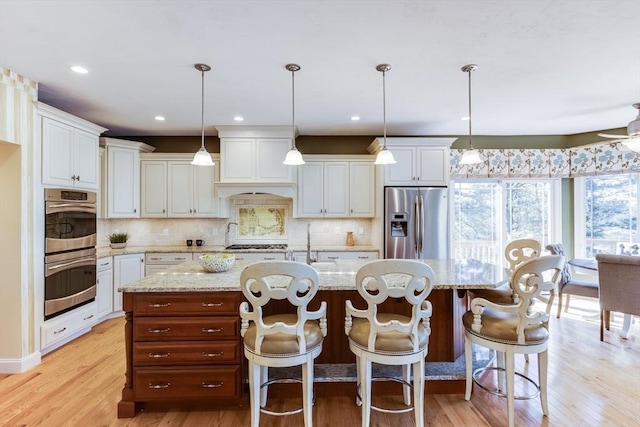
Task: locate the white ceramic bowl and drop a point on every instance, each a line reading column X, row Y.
column 217, row 263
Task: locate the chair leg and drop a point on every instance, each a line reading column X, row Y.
column 559, row 305
column 307, row 393
column 566, row 305
column 418, row 392
column 254, row 393
column 526, row 358
column 406, row 390
column 601, row 325
column 510, row 371
column 264, row 377
column 500, row 362
column 468, row 367
column 365, row 391
column 358, row 382
column 543, row 361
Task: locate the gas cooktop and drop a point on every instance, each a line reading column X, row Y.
column 262, row 246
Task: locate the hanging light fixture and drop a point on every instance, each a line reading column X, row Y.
column 384, row 157
column 294, row 157
column 471, row 156
column 202, row 157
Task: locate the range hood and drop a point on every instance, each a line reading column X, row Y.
column 235, row 189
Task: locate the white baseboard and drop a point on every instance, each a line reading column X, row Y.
column 17, row 366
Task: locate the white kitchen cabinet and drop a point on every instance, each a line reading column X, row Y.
column 104, row 293
column 336, row 255
column 126, row 269
column 67, row 326
column 172, row 187
column 419, row 161
column 123, row 177
column 69, row 150
column 361, row 189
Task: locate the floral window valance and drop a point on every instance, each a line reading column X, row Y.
column 603, row 159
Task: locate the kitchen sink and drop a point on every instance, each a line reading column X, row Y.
column 259, row 246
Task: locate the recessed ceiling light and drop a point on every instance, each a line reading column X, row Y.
column 78, row 69
column 466, row 118
column 159, row 118
column 238, row 118
column 355, row 118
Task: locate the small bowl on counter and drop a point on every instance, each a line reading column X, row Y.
column 217, row 263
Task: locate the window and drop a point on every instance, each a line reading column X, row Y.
column 490, row 213
column 607, row 209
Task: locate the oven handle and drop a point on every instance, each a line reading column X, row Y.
column 71, row 207
column 51, row 268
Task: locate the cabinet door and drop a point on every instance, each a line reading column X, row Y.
column 237, row 160
column 126, row 269
column 205, row 202
column 104, row 295
column 336, row 189
column 433, row 164
column 153, row 203
column 270, row 152
column 85, row 159
column 123, row 187
column 180, row 189
column 361, row 189
column 310, row 185
column 57, row 146
column 403, row 172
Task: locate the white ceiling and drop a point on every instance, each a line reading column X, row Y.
column 545, row 66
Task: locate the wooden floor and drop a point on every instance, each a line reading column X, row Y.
column 591, row 384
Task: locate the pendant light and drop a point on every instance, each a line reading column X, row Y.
column 294, row 157
column 384, row 157
column 202, row 157
column 471, row 156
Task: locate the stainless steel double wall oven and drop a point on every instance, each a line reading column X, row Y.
column 70, row 253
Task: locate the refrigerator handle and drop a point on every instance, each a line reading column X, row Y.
column 421, row 221
column 416, row 226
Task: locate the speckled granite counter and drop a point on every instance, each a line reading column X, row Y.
column 338, row 275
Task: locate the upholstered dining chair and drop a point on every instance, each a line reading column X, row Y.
column 569, row 286
column 515, row 328
column 280, row 340
column 619, row 277
column 376, row 336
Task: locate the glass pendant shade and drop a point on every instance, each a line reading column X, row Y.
column 471, row 157
column 202, row 158
column 384, row 157
column 293, row 158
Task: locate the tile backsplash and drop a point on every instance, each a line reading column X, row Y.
column 174, row 231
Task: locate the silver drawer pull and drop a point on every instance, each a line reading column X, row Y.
column 179, row 258
column 217, row 385
column 154, row 258
column 332, row 257
column 211, row 330
column 61, row 330
column 268, row 258
column 159, row 305
column 88, row 317
column 166, row 385
column 212, row 354
column 156, row 355
column 363, row 257
column 212, row 304
column 159, row 331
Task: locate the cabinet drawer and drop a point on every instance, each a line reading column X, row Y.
column 105, row 263
column 167, row 258
column 332, row 256
column 182, row 353
column 186, row 328
column 198, row 303
column 68, row 324
column 186, row 383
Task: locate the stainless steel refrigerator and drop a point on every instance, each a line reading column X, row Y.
column 416, row 222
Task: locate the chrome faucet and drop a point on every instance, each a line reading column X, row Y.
column 226, row 233
column 309, row 259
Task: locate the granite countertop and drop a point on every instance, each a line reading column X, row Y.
column 107, row 251
column 339, row 275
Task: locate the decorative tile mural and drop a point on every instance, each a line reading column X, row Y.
column 262, row 222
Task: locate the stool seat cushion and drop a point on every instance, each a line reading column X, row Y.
column 393, row 342
column 500, row 295
column 280, row 344
column 501, row 327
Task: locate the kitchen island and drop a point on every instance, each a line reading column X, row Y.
column 182, row 329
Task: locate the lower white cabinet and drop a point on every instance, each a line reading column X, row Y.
column 126, row 269
column 104, row 294
column 262, row 256
column 332, row 256
column 65, row 326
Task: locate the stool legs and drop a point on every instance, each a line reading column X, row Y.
column 307, row 393
column 510, row 371
column 254, row 392
column 264, row 377
column 365, row 391
column 543, row 361
column 468, row 368
column 418, row 392
column 406, row 390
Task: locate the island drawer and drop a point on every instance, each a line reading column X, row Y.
column 193, row 303
column 183, row 353
column 186, row 328
column 186, row 383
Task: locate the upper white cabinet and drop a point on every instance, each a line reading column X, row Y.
column 254, row 154
column 333, row 188
column 173, row 187
column 122, row 186
column 419, row 161
column 69, row 150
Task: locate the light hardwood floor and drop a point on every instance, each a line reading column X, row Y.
column 591, row 384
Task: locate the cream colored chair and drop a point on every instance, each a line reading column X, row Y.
column 515, row 328
column 388, row 338
column 281, row 340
